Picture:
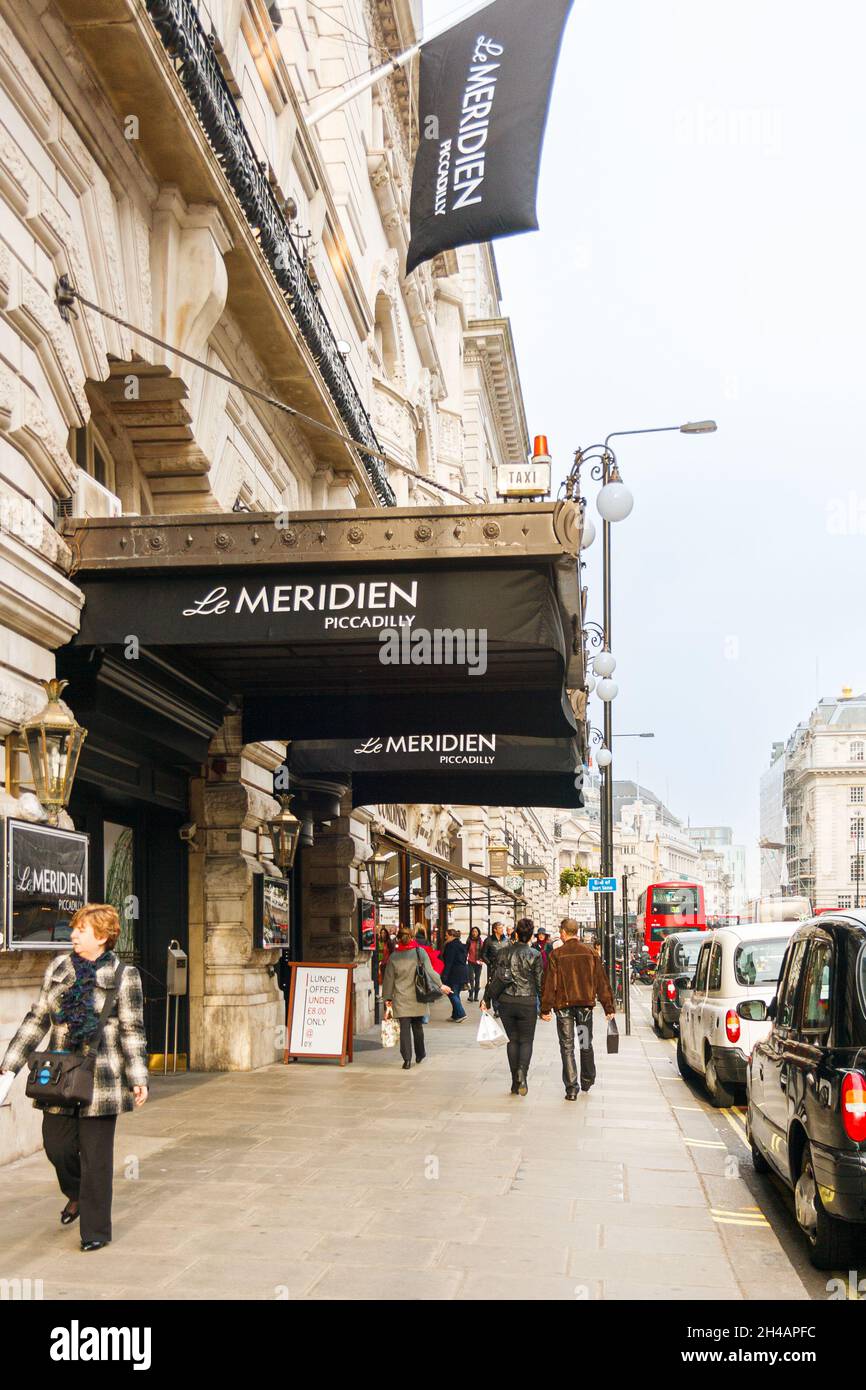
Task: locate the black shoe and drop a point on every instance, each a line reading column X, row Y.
column 571, row 1095
column 522, row 1087
column 406, row 1066
column 419, row 1060
column 94, row 1244
column 589, row 1087
column 67, row 1217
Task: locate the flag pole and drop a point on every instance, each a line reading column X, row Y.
column 333, row 101
column 318, row 110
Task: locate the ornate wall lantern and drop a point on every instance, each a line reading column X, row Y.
column 285, row 832
column 377, row 872
column 53, row 738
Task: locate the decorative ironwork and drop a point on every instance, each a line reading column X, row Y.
column 594, row 634
column 181, row 31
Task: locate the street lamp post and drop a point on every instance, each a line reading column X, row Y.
column 614, row 504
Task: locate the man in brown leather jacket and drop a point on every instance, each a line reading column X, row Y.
column 575, row 979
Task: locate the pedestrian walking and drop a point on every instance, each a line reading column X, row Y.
column 456, row 972
column 497, row 941
column 575, row 979
column 543, row 944
column 474, row 948
column 386, row 946
column 435, row 958
column 400, row 994
column 515, row 984
column 78, row 988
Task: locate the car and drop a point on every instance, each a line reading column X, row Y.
column 735, row 965
column 675, row 969
column 806, row 1118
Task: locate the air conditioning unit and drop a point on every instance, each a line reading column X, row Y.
column 90, row 499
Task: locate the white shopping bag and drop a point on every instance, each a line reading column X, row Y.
column 390, row 1030
column 490, row 1032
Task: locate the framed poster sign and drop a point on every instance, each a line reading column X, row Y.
column 366, row 924
column 45, row 884
column 271, row 911
column 320, row 1011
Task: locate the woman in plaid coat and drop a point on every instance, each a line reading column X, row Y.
column 80, row 1141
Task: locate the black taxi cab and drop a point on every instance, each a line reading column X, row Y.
column 807, row 1083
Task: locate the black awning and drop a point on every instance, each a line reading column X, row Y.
column 487, row 769
column 336, row 651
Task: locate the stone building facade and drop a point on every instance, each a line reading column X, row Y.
column 159, row 156
column 824, row 792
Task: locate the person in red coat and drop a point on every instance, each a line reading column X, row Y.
column 435, row 959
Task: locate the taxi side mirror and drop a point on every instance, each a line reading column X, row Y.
column 753, row 1010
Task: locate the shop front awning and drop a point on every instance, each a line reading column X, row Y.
column 327, row 625
column 485, row 769
column 460, row 877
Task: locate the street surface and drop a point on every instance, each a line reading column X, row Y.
column 312, row 1182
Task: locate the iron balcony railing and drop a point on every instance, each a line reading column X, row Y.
column 201, row 76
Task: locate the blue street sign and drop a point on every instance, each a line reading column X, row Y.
column 602, row 885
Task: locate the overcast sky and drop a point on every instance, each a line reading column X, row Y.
column 703, row 231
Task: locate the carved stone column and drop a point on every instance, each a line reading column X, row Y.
column 329, row 901
column 235, row 1006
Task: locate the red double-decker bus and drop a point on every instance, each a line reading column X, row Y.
column 668, row 907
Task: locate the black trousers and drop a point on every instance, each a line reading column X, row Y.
column 82, row 1152
column 565, row 1025
column 474, row 980
column 412, row 1030
column 519, row 1020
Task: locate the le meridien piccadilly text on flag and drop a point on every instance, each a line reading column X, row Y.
column 484, row 95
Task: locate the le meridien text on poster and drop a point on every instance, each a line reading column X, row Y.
column 67, row 888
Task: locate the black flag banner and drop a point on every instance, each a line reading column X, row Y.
column 485, row 90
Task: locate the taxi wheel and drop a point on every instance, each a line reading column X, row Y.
column 829, row 1239
column 718, row 1092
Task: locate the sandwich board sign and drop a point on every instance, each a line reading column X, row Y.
column 320, row 1011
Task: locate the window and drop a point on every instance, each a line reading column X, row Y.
column 674, row 902
column 685, row 953
column 788, row 992
column 716, row 969
column 703, row 966
column 856, row 751
column 759, row 962
column 856, row 796
column 857, row 828
column 89, row 451
column 816, row 990
column 843, row 900
column 856, row 868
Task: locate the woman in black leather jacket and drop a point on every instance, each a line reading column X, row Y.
column 515, row 984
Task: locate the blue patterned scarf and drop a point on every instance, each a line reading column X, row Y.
column 76, row 1007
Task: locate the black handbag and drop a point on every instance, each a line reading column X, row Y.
column 424, row 992
column 67, row 1078
column 612, row 1036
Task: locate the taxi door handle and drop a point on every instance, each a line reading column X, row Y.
column 783, row 1076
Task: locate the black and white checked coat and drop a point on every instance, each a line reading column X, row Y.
column 121, row 1061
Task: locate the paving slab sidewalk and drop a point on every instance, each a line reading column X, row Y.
column 318, row 1182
